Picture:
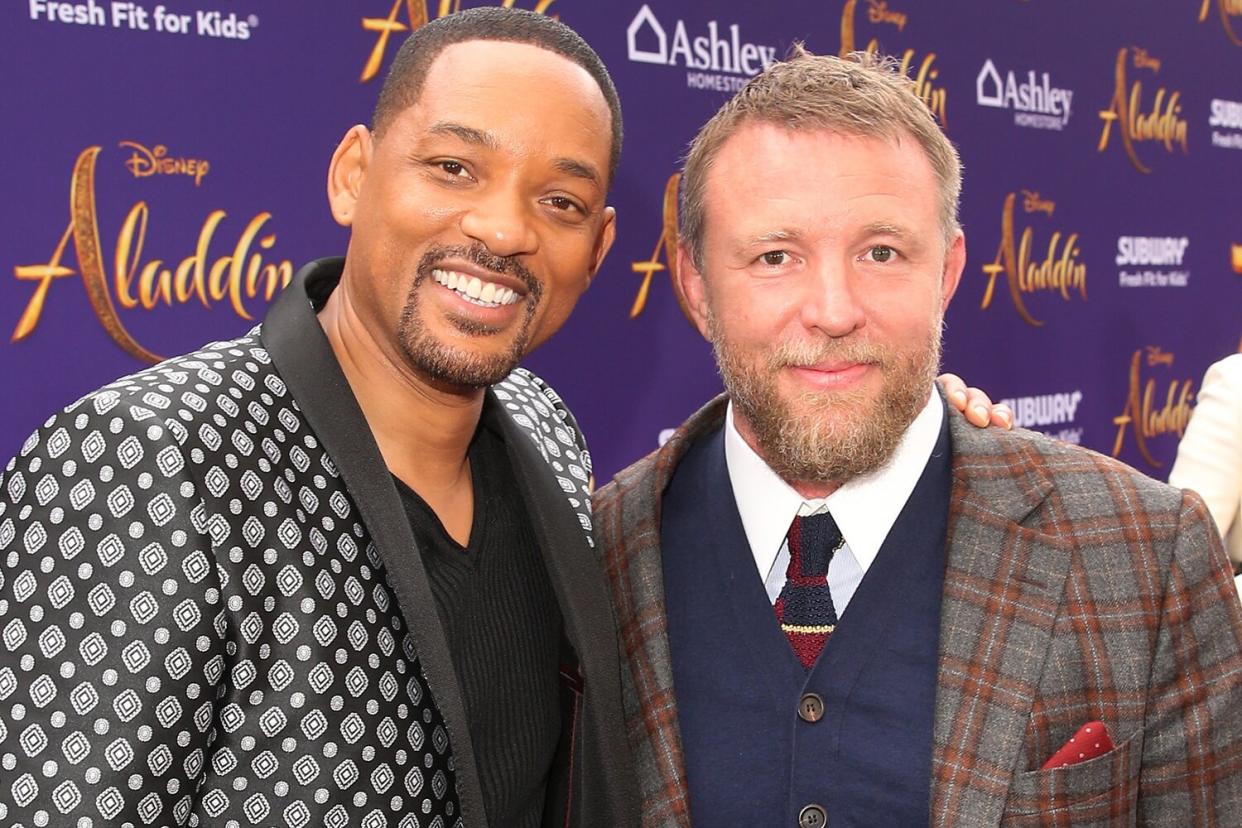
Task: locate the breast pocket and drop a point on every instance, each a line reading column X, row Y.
column 1100, row 792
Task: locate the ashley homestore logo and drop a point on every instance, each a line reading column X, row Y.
column 721, row 59
column 1035, row 101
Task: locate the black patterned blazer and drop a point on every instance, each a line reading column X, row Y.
column 213, row 612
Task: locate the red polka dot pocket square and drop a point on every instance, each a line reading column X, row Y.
column 1090, row 741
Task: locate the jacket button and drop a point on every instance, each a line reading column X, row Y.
column 811, row 708
column 812, row 816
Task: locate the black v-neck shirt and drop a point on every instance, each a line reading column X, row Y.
column 503, row 626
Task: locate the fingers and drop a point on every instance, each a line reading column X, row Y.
column 975, row 404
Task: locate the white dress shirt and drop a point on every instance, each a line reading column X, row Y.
column 865, row 508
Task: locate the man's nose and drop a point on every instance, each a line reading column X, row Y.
column 832, row 300
column 501, row 222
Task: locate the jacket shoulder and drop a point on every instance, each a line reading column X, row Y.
column 169, row 403
column 1086, row 500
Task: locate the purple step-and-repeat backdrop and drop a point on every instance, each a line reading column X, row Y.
column 164, row 175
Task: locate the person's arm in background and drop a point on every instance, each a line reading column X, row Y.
column 1209, row 457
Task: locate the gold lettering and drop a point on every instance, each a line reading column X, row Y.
column 1059, row 271
column 1119, row 110
column 236, row 277
column 44, row 274
column 86, row 244
column 666, row 246
column 1162, row 124
column 144, row 162
column 847, row 29
column 1158, row 356
column 879, row 13
column 126, row 263
column 935, row 97
column 1032, row 203
column 1143, row 60
column 415, row 16
column 1141, row 415
column 1227, row 9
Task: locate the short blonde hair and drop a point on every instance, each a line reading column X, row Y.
column 862, row 95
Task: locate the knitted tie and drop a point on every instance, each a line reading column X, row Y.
column 804, row 608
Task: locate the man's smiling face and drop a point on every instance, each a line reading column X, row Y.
column 824, row 280
column 479, row 215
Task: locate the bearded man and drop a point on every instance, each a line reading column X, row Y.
column 839, row 605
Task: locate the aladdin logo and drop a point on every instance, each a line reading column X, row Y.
column 1226, row 115
column 1161, row 124
column 1150, row 252
column 240, row 275
column 1059, row 271
column 1045, row 410
column 1035, row 101
column 1227, row 9
column 145, row 162
column 665, row 248
column 936, row 97
column 1141, row 414
column 714, row 52
column 416, row 15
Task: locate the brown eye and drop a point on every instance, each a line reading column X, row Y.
column 452, row 167
column 775, row 258
column 881, row 253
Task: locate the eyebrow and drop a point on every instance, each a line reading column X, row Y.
column 776, row 236
column 578, row 169
column 468, row 134
column 482, row 138
column 881, row 228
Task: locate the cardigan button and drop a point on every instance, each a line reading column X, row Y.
column 811, row 708
column 813, row 816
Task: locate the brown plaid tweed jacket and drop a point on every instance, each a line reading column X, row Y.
column 1076, row 589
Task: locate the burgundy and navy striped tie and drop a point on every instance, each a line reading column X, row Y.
column 804, row 608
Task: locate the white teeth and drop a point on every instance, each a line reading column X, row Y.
column 474, row 289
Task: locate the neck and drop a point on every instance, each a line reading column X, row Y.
column 423, row 428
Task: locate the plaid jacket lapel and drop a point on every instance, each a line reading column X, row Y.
column 627, row 521
column 1003, row 586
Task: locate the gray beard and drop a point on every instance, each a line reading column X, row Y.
column 837, row 436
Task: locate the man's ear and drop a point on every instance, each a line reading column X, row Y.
column 954, row 264
column 346, row 172
column 689, row 283
column 603, row 242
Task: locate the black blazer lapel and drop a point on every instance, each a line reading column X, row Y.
column 304, row 359
column 577, row 575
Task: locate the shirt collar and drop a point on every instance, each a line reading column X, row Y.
column 865, row 508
